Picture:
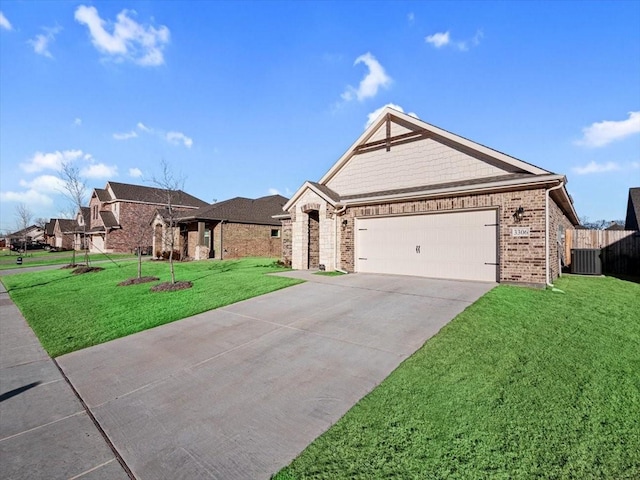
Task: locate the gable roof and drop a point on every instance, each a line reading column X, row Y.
column 242, row 210
column 142, row 194
column 49, row 226
column 109, row 219
column 633, row 210
column 416, row 128
column 27, row 231
column 102, row 194
column 391, row 129
column 67, row 226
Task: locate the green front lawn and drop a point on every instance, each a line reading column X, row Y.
column 38, row 258
column 69, row 312
column 523, row 384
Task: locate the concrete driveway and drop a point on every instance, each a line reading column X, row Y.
column 239, row 392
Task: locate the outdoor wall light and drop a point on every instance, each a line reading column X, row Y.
column 345, row 222
column 519, row 213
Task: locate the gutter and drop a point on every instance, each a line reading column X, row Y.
column 496, row 186
column 547, row 239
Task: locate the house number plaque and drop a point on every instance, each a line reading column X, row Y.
column 520, row 231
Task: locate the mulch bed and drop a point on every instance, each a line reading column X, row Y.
column 136, row 281
column 171, row 287
column 85, row 269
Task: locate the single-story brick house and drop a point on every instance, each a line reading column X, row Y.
column 235, row 228
column 31, row 234
column 410, row 198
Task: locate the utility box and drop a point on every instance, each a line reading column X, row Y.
column 586, row 261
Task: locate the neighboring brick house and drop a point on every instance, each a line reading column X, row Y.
column 49, row 237
column 410, row 198
column 235, row 228
column 65, row 233
column 31, row 234
column 119, row 215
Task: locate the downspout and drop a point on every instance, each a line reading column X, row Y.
column 547, row 235
column 337, row 213
column 221, row 243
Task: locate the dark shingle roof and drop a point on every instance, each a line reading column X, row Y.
column 102, row 194
column 633, row 210
column 109, row 219
column 242, row 210
column 139, row 193
column 68, row 226
column 327, row 191
column 24, row 231
column 49, row 226
column 86, row 214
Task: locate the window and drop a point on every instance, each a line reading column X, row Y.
column 275, row 233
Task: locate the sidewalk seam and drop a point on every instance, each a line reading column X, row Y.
column 115, row 452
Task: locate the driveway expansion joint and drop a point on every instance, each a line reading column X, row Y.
column 93, row 419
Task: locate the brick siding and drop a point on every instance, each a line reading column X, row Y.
column 522, row 259
column 248, row 240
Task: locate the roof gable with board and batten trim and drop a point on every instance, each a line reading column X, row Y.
column 399, row 151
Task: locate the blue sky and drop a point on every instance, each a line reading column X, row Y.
column 248, row 99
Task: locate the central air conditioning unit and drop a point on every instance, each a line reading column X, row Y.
column 586, row 261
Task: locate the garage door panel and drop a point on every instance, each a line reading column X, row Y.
column 459, row 245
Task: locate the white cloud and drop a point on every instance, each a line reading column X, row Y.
column 438, row 39
column 600, row 134
column 125, row 135
column 274, row 191
column 411, row 17
column 77, row 122
column 99, row 170
column 50, row 161
column 135, row 172
column 176, row 138
column 593, row 167
column 369, row 85
column 29, row 197
column 443, row 39
column 376, row 113
column 44, row 183
column 41, row 42
column 144, row 128
column 5, row 23
column 477, row 38
column 129, row 40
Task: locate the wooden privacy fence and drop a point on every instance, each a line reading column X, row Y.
column 620, row 249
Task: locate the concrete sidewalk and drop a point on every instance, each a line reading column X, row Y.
column 239, row 392
column 45, row 432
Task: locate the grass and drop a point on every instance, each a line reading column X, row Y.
column 69, row 312
column 333, row 273
column 38, row 258
column 523, row 384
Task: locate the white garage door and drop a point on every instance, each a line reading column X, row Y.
column 459, row 245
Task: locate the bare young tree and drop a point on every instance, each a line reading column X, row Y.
column 41, row 222
column 76, row 191
column 141, row 233
column 171, row 187
column 24, row 216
